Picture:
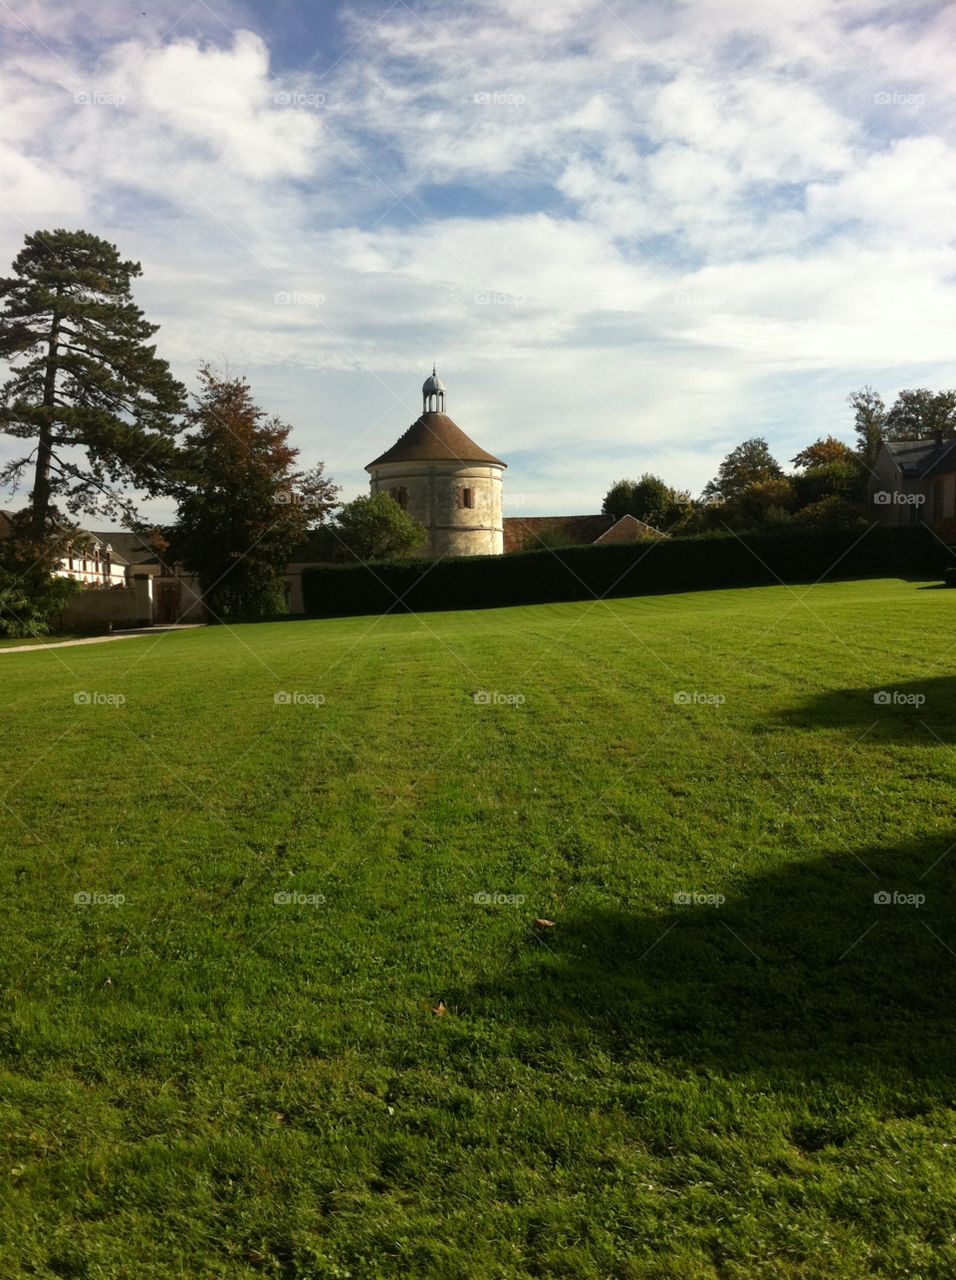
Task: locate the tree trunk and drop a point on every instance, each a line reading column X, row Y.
column 40, row 498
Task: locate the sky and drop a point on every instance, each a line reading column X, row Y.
column 629, row 235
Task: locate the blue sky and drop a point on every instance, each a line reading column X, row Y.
column 631, row 235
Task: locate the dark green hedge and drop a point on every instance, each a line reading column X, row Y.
column 581, row 573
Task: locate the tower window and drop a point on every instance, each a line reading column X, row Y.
column 466, row 498
column 400, row 494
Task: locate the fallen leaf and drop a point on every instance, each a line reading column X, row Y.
column 544, row 924
column 439, row 1009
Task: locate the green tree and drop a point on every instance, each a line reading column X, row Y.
column 869, row 419
column 831, row 512
column 920, row 414
column 749, row 464
column 87, row 388
column 619, row 499
column 823, row 452
column 243, row 508
column 375, row 527
column 31, row 594
column 764, row 502
column 649, row 499
column 845, row 480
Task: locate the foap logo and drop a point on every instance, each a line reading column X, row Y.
column 484, row 898
column 691, row 898
column 696, row 698
column 290, row 98
column 491, row 298
column 95, row 899
column 96, row 98
column 289, row 498
column 895, row 698
column 293, row 898
column 888, row 498
column 497, row 98
column 893, row 898
column 495, row 698
column 886, row 98
column 88, row 698
column 286, row 298
column 298, row 699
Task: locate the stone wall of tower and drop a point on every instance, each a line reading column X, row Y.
column 434, row 495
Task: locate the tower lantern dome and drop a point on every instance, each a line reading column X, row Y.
column 433, row 394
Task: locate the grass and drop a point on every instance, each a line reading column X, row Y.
column 202, row 1081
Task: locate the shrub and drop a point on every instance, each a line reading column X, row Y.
column 583, row 573
column 31, row 594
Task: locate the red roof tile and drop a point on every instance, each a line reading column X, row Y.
column 435, row 438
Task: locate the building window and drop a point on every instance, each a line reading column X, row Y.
column 466, row 498
column 938, row 500
column 400, row 494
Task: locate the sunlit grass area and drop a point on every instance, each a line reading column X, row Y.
column 275, row 1001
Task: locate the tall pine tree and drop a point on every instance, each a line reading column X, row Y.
column 87, row 386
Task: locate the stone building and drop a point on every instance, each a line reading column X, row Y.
column 446, row 481
column 914, row 481
column 91, row 559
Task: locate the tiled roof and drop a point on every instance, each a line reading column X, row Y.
column 922, row 459
column 116, row 540
column 630, row 529
column 530, row 533
column 524, row 533
column 435, row 438
column 133, row 548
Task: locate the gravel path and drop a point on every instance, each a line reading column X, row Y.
column 117, row 635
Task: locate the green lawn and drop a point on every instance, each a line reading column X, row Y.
column 202, row 1081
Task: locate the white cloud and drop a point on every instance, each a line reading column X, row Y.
column 644, row 235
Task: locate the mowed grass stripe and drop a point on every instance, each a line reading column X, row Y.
column 201, row 1080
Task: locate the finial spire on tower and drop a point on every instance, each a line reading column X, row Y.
column 433, row 394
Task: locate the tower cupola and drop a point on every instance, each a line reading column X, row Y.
column 433, row 394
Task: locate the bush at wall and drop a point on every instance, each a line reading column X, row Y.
column 581, row 573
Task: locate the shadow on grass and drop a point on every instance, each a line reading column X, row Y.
column 914, row 712
column 801, row 971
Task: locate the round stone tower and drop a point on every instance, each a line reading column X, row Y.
column 445, row 480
